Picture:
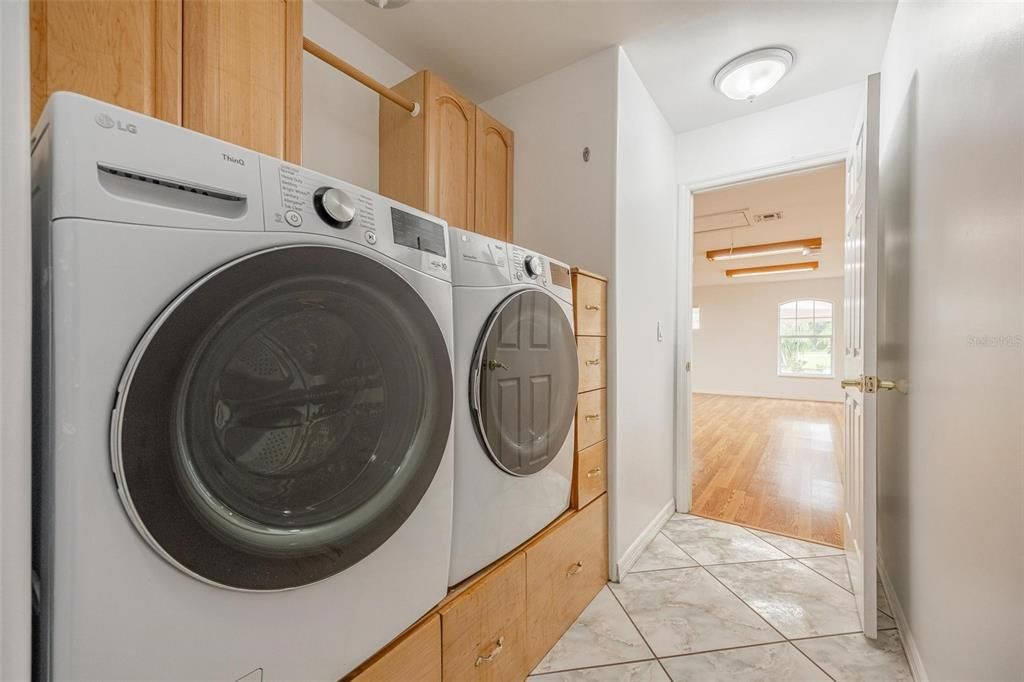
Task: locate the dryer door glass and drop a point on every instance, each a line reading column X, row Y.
column 524, row 382
column 283, row 417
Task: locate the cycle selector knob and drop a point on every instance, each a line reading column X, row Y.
column 533, row 266
column 335, row 207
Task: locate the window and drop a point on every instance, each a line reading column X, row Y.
column 805, row 338
column 696, row 317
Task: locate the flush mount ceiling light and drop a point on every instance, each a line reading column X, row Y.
column 387, row 4
column 773, row 269
column 754, row 73
column 802, row 246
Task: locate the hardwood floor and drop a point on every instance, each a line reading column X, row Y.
column 769, row 464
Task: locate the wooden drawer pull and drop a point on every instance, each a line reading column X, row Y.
column 575, row 568
column 591, row 306
column 595, row 361
column 480, row 660
column 592, row 417
column 593, row 472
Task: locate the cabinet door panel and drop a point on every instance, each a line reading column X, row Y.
column 452, row 154
column 483, row 631
column 494, row 146
column 242, row 73
column 125, row 53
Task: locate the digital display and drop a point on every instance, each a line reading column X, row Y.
column 418, row 233
column 560, row 275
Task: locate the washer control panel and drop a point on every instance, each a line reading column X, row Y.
column 529, row 267
column 296, row 199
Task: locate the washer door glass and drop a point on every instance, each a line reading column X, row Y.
column 524, row 382
column 283, row 417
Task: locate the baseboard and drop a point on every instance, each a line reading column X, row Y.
column 902, row 626
column 625, row 563
column 773, row 396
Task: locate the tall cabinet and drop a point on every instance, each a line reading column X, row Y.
column 453, row 159
column 228, row 68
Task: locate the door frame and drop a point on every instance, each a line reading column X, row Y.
column 683, row 456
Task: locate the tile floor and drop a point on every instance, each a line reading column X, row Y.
column 711, row 601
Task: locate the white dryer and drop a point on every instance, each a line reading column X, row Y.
column 244, row 378
column 516, row 379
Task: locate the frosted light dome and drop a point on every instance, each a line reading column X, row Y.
column 754, row 73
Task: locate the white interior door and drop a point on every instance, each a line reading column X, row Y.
column 861, row 357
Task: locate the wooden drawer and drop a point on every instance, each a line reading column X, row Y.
column 483, row 630
column 590, row 299
column 414, row 657
column 565, row 568
column 591, row 475
column 591, row 418
column 593, row 359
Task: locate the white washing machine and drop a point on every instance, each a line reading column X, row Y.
column 516, row 379
column 244, row 384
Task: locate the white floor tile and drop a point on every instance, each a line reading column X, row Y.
column 662, row 553
column 686, row 610
column 601, row 635
column 714, row 542
column 854, row 658
column 794, row 599
column 768, row 663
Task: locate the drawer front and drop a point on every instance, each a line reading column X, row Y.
column 415, row 657
column 591, row 474
column 483, row 631
column 593, row 354
column 565, row 569
column 591, row 418
column 590, row 305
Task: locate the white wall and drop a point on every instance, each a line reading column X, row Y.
column 339, row 116
column 787, row 134
column 563, row 206
column 951, row 452
column 15, row 345
column 644, row 290
column 735, row 350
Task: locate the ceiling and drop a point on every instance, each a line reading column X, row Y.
column 488, row 47
column 812, row 206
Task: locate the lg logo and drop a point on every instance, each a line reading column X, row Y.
column 233, row 159
column 104, row 121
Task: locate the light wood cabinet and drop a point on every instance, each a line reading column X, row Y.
column 591, row 418
column 453, row 159
column 591, row 475
column 127, row 53
column 593, row 362
column 242, row 73
column 590, row 298
column 565, row 568
column 494, row 152
column 228, row 68
column 414, row 657
column 483, row 629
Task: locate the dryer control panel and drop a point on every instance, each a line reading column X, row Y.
column 297, row 199
column 529, row 267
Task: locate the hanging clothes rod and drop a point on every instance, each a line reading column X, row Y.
column 352, row 72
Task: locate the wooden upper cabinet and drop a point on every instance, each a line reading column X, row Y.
column 494, row 145
column 242, row 73
column 451, row 154
column 228, row 68
column 453, row 160
column 127, row 53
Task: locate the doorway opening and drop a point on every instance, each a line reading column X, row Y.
column 767, row 353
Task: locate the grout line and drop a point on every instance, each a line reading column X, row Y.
column 813, row 662
column 751, row 529
column 592, row 667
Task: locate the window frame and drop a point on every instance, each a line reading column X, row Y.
column 779, row 337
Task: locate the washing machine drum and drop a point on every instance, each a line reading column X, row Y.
column 524, row 381
column 282, row 418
